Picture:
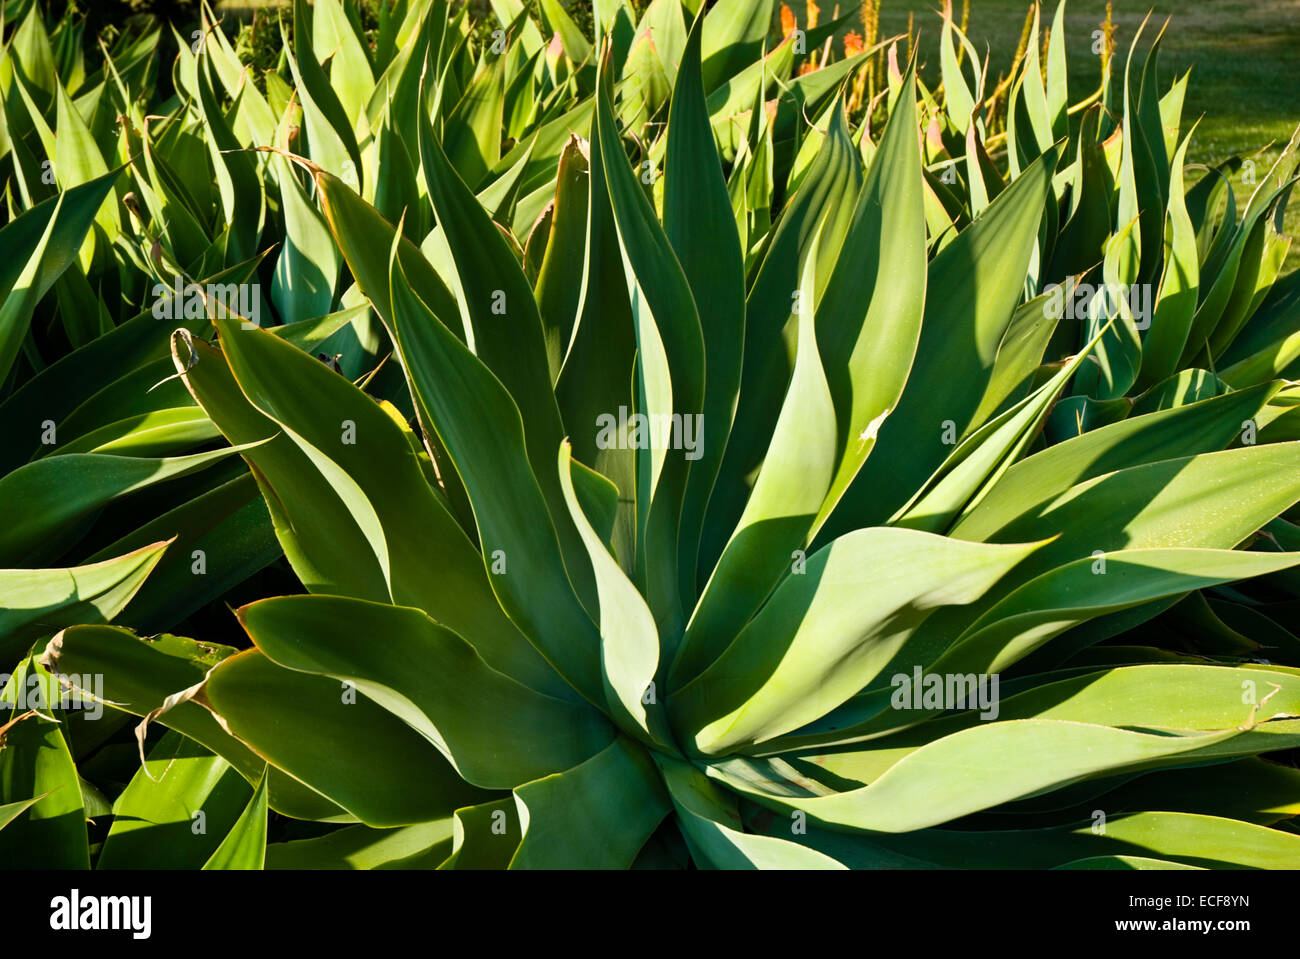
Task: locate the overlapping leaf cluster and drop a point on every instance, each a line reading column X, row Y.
column 528, row 637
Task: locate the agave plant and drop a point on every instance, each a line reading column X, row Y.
column 1127, row 217
column 1205, row 311
column 103, row 254
column 696, row 475
column 715, row 531
column 85, row 450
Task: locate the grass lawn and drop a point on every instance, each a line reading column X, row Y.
column 1244, row 56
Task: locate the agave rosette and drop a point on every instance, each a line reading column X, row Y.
column 679, row 512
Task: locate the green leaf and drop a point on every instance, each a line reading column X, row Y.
column 1118, row 356
column 175, row 810
column 33, row 57
column 1269, row 343
column 869, row 321
column 734, row 35
column 560, row 277
column 670, row 370
column 330, row 134
column 1193, row 840
column 1058, row 99
column 1181, row 389
column 597, row 375
column 51, row 494
column 1203, row 427
column 1214, row 501
column 35, row 761
column 828, row 630
column 1019, row 355
column 340, row 744
column 713, row 830
column 1195, row 697
column 303, row 285
column 576, row 46
column 371, row 469
column 629, row 643
column 596, row 815
column 472, row 131
column 334, row 37
column 1122, row 863
column 1237, row 262
column 228, row 525
column 779, row 516
column 140, row 675
column 1001, row 761
column 735, row 96
column 42, row 243
column 361, row 847
column 11, row 811
column 1151, row 161
column 484, row 836
column 1086, row 229
column 365, row 239
column 240, row 186
column 959, row 100
column 36, row 602
column 77, row 160
column 254, row 120
column 972, row 292
column 650, row 71
column 1268, row 794
column 817, row 206
column 714, row 265
column 1076, row 592
column 984, row 456
column 78, row 377
column 504, row 331
column 1176, row 301
column 455, row 700
column 245, row 845
column 480, row 426
column 326, row 548
column 156, row 433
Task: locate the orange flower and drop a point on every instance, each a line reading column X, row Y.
column 814, row 12
column 852, row 43
column 807, row 67
column 787, row 21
